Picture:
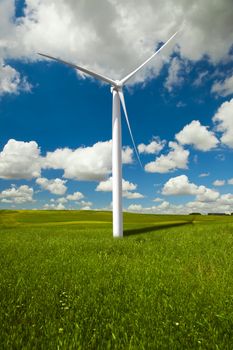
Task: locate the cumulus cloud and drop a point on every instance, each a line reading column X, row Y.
column 200, row 78
column 135, row 207
column 157, row 199
column 204, row 174
column 86, row 204
column 11, row 81
column 163, row 205
column 87, row 207
column 164, row 208
column 54, row 206
column 76, row 196
column 180, row 185
column 86, row 163
column 55, row 186
column 155, row 146
column 132, row 195
column 197, row 135
column 223, row 204
column 20, row 160
column 106, row 186
column 226, row 199
column 17, row 195
column 219, row 183
column 61, row 200
column 130, row 31
column 127, row 188
column 177, row 158
column 174, row 77
column 207, row 194
column 223, row 118
column 127, row 154
column 230, row 181
column 223, row 88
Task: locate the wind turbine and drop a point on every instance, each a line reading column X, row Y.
column 117, row 100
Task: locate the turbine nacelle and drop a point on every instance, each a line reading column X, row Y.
column 119, row 84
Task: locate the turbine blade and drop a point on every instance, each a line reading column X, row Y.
column 84, row 70
column 124, row 80
column 127, row 120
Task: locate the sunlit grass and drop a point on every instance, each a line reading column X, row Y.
column 72, row 286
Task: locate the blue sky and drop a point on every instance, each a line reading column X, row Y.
column 55, row 139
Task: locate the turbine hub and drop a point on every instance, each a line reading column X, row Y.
column 118, row 84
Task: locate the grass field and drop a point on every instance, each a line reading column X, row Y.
column 65, row 283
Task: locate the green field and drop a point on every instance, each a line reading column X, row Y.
column 65, row 283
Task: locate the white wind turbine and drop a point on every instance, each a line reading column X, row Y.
column 117, row 98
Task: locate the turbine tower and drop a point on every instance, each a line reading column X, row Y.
column 117, row 101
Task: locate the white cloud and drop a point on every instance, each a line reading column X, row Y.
column 106, row 185
column 230, row 181
column 207, row 194
column 127, row 155
column 224, row 118
column 157, row 199
column 76, row 196
column 55, row 186
column 177, row 158
column 204, row 174
column 86, row 163
column 20, row 160
column 164, row 208
column 201, row 77
column 219, row 183
column 61, row 200
column 135, row 207
column 223, row 204
column 197, row 135
column 155, row 146
column 86, row 204
column 60, row 206
column 132, row 195
column 212, row 203
column 11, row 81
column 87, row 207
column 175, row 77
column 53, row 206
column 128, row 30
column 180, row 185
column 127, row 188
column 195, row 159
column 163, row 205
column 223, row 88
column 17, row 195
column 226, row 199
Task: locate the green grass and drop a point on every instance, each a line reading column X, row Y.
column 65, row 283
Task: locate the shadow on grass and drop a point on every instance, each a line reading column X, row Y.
column 154, row 228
